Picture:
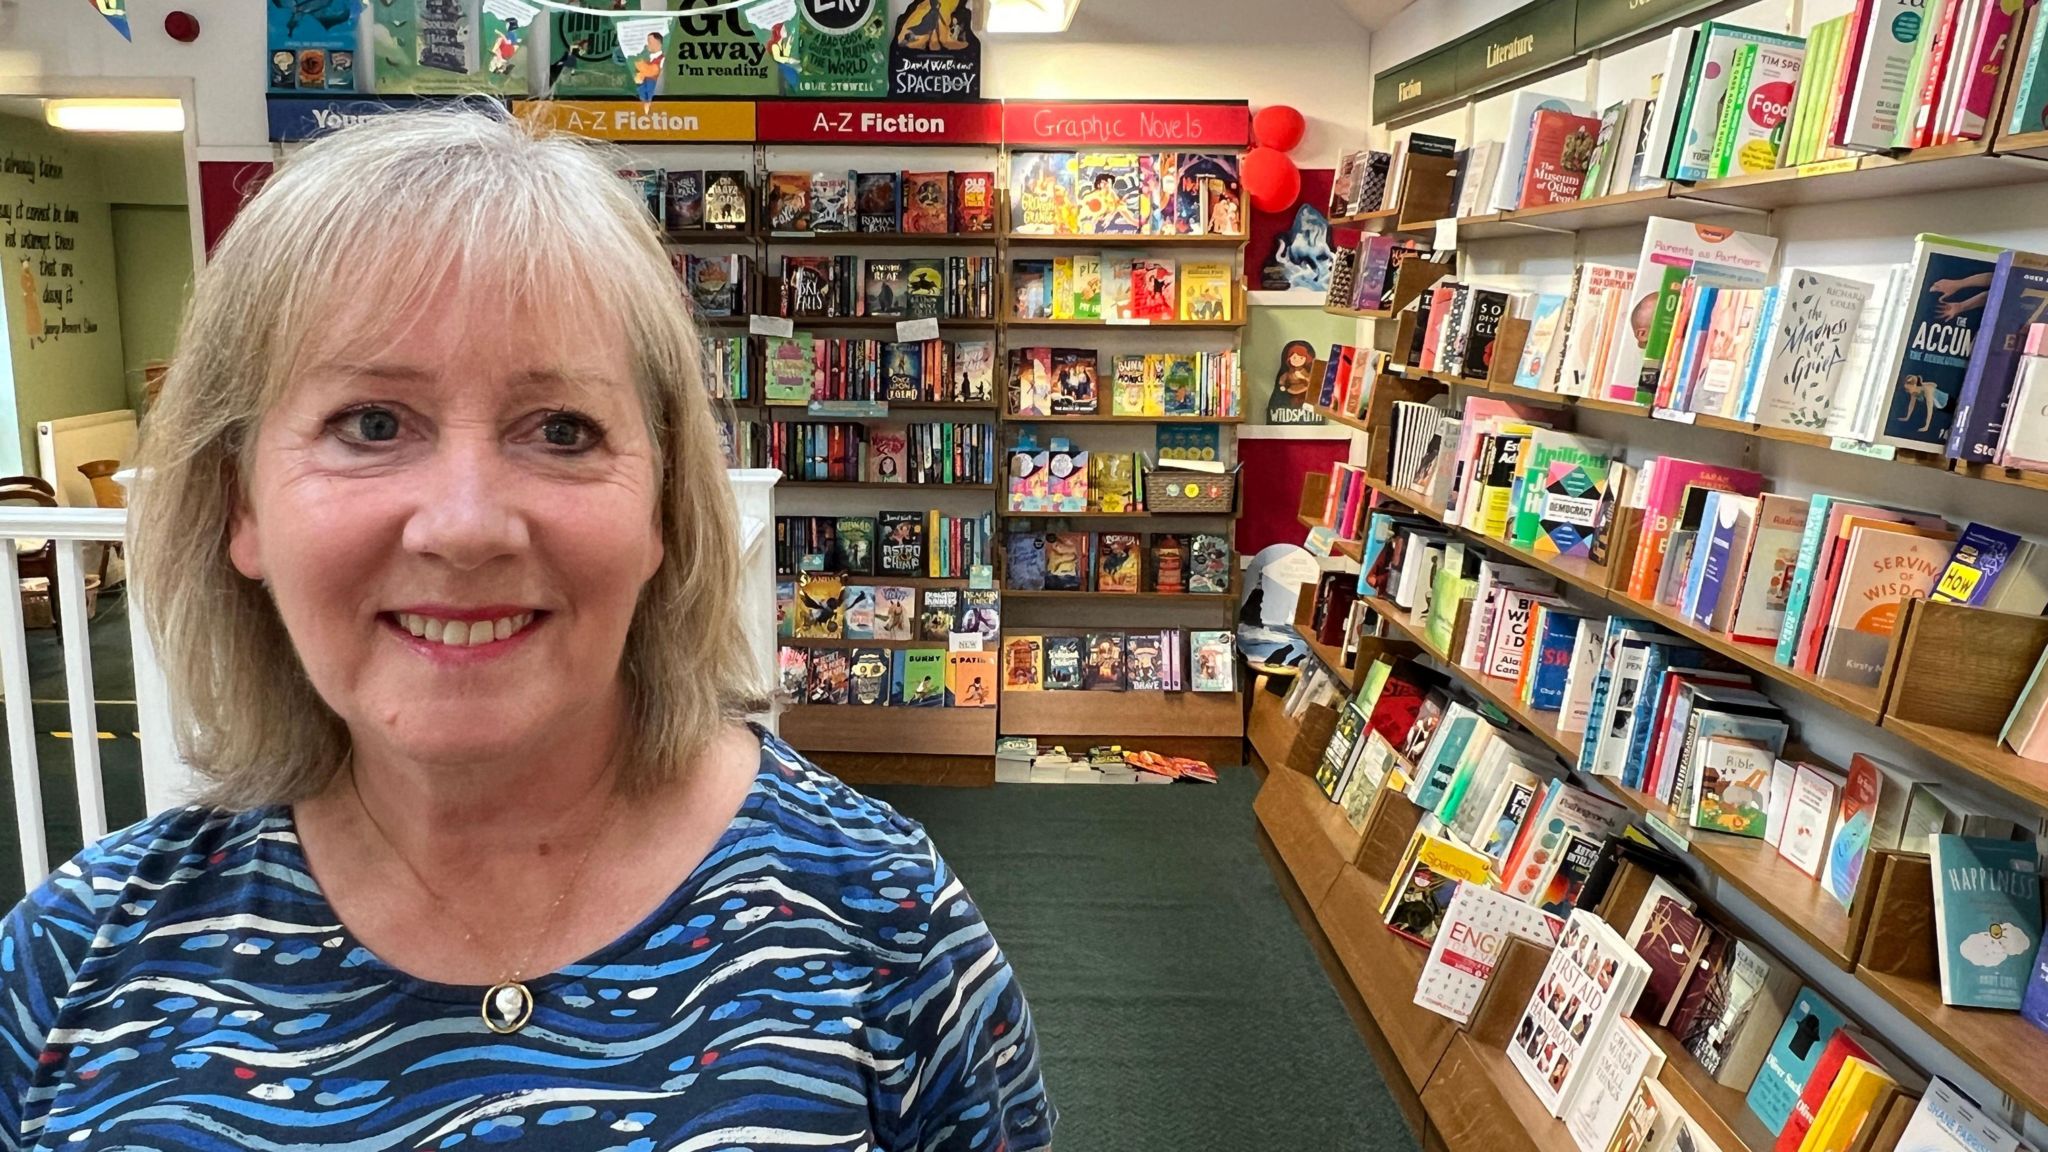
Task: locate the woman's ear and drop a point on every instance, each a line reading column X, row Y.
column 244, row 549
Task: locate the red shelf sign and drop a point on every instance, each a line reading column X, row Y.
column 877, row 122
column 1127, row 124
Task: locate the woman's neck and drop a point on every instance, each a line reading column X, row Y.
column 439, row 816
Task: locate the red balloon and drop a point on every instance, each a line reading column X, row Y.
column 1271, row 180
column 1278, row 126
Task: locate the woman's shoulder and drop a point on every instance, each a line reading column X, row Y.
column 814, row 805
column 152, row 864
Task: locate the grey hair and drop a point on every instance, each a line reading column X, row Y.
column 398, row 203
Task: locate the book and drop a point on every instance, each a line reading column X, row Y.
column 1661, row 506
column 974, row 202
column 1705, row 91
column 1873, row 807
column 1614, row 1070
column 2019, row 282
column 878, row 201
column 1213, row 658
column 1733, row 1010
column 1560, row 147
column 1945, row 1120
column 1671, row 251
column 922, row 683
column 1987, row 918
column 1206, row 291
column 831, row 671
column 1515, row 152
column 1791, row 1059
column 1759, row 614
column 1928, row 359
column 1671, row 943
column 1661, row 128
column 1809, row 819
column 1592, row 976
column 868, row 677
column 1102, row 666
column 1882, row 50
column 1419, row 896
column 1023, row 668
column 1063, row 662
column 1880, row 569
column 970, row 679
column 1807, row 348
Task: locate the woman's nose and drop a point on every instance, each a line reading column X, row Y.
column 468, row 509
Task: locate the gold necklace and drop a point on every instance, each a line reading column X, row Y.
column 508, row 1004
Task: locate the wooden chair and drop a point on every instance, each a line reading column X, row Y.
column 35, row 557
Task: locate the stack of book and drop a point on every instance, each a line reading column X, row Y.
column 935, row 203
column 1169, row 660
column 1196, row 564
column 939, row 453
column 729, row 373
column 804, row 368
column 842, row 285
column 1369, row 181
column 925, row 543
column 1111, row 287
column 1069, row 382
column 1125, row 193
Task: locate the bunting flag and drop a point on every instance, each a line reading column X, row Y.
column 116, row 12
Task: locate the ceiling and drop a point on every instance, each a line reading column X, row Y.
column 1373, row 13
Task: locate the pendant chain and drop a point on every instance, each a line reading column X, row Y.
column 469, row 936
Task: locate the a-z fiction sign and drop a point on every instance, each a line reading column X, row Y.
column 877, row 122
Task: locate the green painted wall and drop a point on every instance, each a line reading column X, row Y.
column 153, row 258
column 57, row 256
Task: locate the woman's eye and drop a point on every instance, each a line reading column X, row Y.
column 367, row 425
column 569, row 431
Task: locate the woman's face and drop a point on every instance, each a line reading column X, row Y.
column 455, row 512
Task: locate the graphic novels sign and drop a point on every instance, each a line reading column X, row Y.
column 663, row 121
column 1133, row 125
column 934, row 54
column 878, row 122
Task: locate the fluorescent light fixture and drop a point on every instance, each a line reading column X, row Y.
column 115, row 115
column 1029, row 16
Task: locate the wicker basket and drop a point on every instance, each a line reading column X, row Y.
column 1177, row 490
column 35, row 601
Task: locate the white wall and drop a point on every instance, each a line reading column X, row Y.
column 1855, row 239
column 1308, row 53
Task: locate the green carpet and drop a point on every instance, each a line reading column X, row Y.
column 1178, row 1004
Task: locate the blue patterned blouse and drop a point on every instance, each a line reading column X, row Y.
column 821, row 981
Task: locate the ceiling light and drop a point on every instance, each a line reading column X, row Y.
column 115, row 115
column 1029, row 16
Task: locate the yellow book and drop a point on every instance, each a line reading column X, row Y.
column 1205, row 291
column 1859, row 1092
column 1063, row 288
column 1155, row 384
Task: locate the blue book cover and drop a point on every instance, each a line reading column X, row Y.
column 1553, row 660
column 1436, row 775
column 1698, row 322
column 1664, row 658
column 1936, row 338
column 1532, row 369
column 2016, row 298
column 1802, row 577
column 1689, row 597
column 1753, row 371
column 1793, row 1054
column 1987, row 918
column 1596, row 708
column 1973, row 568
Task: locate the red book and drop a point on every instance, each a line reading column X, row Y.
column 974, row 202
column 1840, row 1047
column 1928, row 100
column 1560, row 147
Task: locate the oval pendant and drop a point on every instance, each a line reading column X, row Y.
column 507, row 1007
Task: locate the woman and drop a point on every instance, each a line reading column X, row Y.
column 437, row 553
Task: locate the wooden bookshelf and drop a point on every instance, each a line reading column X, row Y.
column 1336, row 417
column 889, row 323
column 710, row 236
column 1107, row 418
column 883, row 486
column 1184, row 325
column 1121, row 714
column 905, row 239
column 1008, row 514
column 1122, row 240
column 871, row 729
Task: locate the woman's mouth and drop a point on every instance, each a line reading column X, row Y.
column 463, row 633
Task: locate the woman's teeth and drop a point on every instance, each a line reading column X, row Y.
column 463, row 633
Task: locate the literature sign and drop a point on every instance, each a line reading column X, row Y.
column 1529, row 39
column 1127, row 124
column 878, row 122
